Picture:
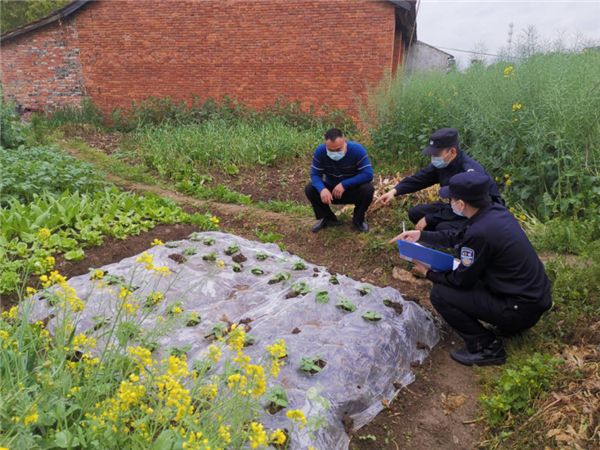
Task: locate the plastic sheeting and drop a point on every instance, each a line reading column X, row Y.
column 365, row 361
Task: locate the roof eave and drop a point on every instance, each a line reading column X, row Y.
column 52, row 17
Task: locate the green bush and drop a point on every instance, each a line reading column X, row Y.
column 28, row 171
column 12, row 133
column 536, row 121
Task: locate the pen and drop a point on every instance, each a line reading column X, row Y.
column 403, row 227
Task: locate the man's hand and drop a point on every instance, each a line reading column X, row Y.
column 326, row 196
column 421, row 224
column 408, row 236
column 386, row 198
column 420, row 268
column 338, row 191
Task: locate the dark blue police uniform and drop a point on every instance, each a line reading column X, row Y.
column 500, row 279
column 439, row 215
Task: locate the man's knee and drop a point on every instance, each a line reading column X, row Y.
column 366, row 191
column 310, row 191
column 415, row 213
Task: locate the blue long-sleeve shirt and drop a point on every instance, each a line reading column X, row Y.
column 352, row 170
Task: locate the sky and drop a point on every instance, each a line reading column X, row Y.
column 465, row 24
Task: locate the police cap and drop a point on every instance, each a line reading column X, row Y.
column 468, row 186
column 441, row 139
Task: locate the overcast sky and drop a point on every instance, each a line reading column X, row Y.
column 464, row 24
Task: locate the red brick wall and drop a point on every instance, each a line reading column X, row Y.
column 42, row 68
column 317, row 51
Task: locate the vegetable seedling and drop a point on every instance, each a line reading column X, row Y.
column 322, row 297
column 171, row 244
column 372, row 316
column 190, row 251
column 312, row 364
column 261, row 256
column 209, row 241
column 100, row 322
column 366, row 289
column 346, row 305
column 218, row 330
column 277, row 398
column 333, row 279
column 193, row 319
column 280, row 276
column 179, row 351
column 257, row 271
column 299, row 265
column 299, row 288
column 210, row 257
column 233, row 248
column 236, row 267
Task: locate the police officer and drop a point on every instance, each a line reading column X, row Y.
column 447, row 160
column 500, row 279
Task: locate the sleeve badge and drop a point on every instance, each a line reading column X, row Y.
column 467, row 256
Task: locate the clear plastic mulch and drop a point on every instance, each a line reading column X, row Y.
column 365, row 337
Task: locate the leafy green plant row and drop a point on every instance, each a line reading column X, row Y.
column 178, row 152
column 33, row 232
column 29, row 170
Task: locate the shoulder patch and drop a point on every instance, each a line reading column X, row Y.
column 467, row 256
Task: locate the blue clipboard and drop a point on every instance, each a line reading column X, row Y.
column 433, row 259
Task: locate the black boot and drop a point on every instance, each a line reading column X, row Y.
column 493, row 355
column 322, row 223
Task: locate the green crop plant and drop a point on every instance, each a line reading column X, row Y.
column 33, row 232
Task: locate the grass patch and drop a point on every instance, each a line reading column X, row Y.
column 134, row 173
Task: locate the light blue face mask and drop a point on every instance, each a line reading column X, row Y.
column 438, row 162
column 336, row 156
column 455, row 211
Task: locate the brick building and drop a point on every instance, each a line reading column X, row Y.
column 113, row 52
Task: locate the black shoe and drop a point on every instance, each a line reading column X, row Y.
column 494, row 355
column 322, row 223
column 363, row 227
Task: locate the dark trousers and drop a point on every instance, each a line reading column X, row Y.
column 360, row 196
column 462, row 310
column 445, row 217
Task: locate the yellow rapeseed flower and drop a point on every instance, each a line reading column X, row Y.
column 296, row 415
column 509, row 182
column 43, row 234
column 257, row 436
column 157, row 242
column 278, row 437
column 147, row 259
column 506, row 175
column 97, row 275
column 32, row 418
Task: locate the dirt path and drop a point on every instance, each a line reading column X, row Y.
column 418, row 418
